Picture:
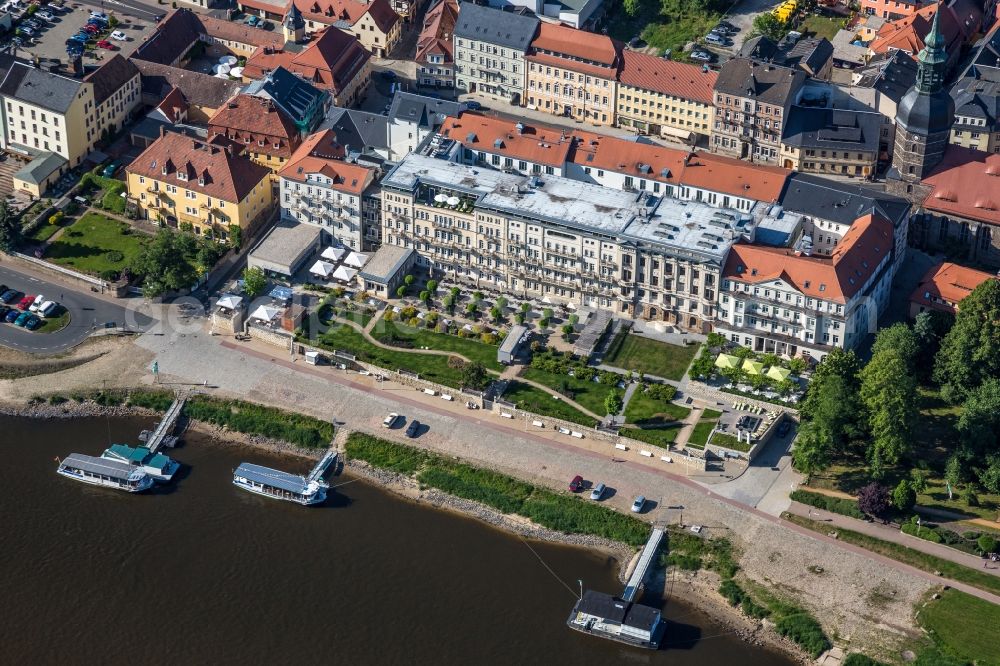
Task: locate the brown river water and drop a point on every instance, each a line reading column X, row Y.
column 201, row 572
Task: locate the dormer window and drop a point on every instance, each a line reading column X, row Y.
column 181, row 175
column 201, row 181
column 260, row 142
column 164, row 170
column 246, row 139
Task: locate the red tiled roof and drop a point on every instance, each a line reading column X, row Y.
column 329, row 12
column 317, row 155
column 227, row 174
column 246, row 119
column 556, row 146
column 238, row 31
column 599, row 71
column 173, row 106
column 966, row 184
column 331, row 61
column 836, row 278
column 949, row 283
column 559, row 38
column 669, row 77
column 437, row 33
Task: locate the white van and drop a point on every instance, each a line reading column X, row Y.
column 47, row 308
column 718, row 40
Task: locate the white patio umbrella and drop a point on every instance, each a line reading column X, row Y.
column 333, row 253
column 236, row 71
column 441, row 198
column 344, row 274
column 221, row 69
column 265, row 313
column 229, row 60
column 321, row 268
column 454, row 201
column 229, row 301
column 356, row 259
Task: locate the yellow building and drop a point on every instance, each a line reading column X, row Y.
column 573, row 73
column 180, row 181
column 664, row 98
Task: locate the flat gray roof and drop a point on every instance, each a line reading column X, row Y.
column 40, row 168
column 386, row 262
column 682, row 226
column 285, row 246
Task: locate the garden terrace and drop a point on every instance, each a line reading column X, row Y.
column 96, row 244
column 532, row 399
column 405, row 336
column 650, row 357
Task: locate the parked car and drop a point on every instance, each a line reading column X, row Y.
column 112, row 168
column 9, row 296
column 105, row 44
column 3, row 288
column 22, row 319
column 785, row 426
column 99, row 15
column 37, row 303
column 12, row 315
column 473, row 105
column 79, row 38
column 31, row 23
column 703, row 56
column 413, row 429
column 25, row 302
column 45, row 15
column 718, row 40
column 576, row 485
column 252, row 21
column 26, row 31
column 390, row 420
column 598, row 492
column 48, row 308
column 33, row 323
column 97, row 23
column 119, row 36
column 4, row 309
column 90, row 29
column 638, row 503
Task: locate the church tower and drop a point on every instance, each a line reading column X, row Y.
column 925, row 114
column 294, row 26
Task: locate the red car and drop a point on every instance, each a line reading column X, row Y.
column 576, row 485
column 92, row 29
column 26, row 302
column 105, row 44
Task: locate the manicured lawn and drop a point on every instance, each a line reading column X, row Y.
column 963, row 625
column 820, row 26
column 391, row 333
column 589, row 394
column 535, row 400
column 665, row 24
column 431, row 367
column 645, row 411
column 93, row 244
column 663, row 436
column 652, row 357
column 915, row 558
column 55, row 323
column 44, row 232
column 704, row 427
column 729, row 442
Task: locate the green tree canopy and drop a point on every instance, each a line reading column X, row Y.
column 979, row 424
column 10, row 229
column 903, row 496
column 613, row 402
column 474, row 376
column 901, row 338
column 165, row 264
column 768, row 25
column 254, row 281
column 968, row 354
column 889, row 391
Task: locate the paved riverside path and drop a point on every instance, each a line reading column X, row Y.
column 894, row 535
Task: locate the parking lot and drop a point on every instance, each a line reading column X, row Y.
column 49, row 43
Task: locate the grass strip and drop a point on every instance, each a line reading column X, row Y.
column 556, row 511
column 253, row 419
column 401, row 335
column 963, row 626
column 843, row 506
column 537, row 401
column 914, row 558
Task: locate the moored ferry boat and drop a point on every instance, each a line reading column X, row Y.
column 157, row 465
column 104, row 473
column 603, row 615
column 278, row 485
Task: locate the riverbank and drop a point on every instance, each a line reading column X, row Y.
column 699, row 591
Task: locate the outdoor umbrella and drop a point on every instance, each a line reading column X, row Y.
column 333, row 253
column 321, row 268
column 727, row 362
column 753, row 367
column 777, row 373
column 265, row 313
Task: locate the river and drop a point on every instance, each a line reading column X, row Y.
column 202, row 572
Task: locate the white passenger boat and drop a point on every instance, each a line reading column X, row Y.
column 157, row 465
column 105, row 473
column 278, row 485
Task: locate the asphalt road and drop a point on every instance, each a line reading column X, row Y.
column 87, row 312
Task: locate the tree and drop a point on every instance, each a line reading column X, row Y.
column 768, row 25
column 903, row 496
column 470, row 309
column 567, row 330
column 474, row 376
column 901, row 338
column 918, row 480
column 164, row 263
column 989, row 476
column 425, row 296
column 408, row 280
column 525, row 307
column 956, row 470
column 401, row 291
column 496, row 313
column 968, row 352
column 987, row 544
column 889, row 391
column 10, row 229
column 432, row 286
column 613, row 402
column 235, row 236
column 813, row 450
column 631, row 7
column 930, row 327
column 873, row 500
column 979, row 424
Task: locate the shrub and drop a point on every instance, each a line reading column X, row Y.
column 903, row 496
column 254, row 419
column 114, row 256
column 733, row 593
column 56, row 399
column 858, row 659
column 921, row 531
column 58, row 216
column 986, row 544
column 805, row 631
column 839, row 505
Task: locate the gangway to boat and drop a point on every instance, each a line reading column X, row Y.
column 329, row 458
column 641, row 568
column 166, row 425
